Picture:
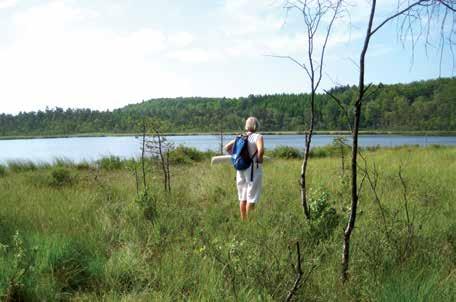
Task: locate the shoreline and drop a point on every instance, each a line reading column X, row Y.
column 335, row 132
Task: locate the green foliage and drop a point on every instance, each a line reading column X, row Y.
column 286, row 152
column 73, row 265
column 2, row 170
column 324, row 216
column 94, row 245
column 424, row 105
column 321, row 152
column 63, row 162
column 12, row 280
column 83, row 165
column 148, row 204
column 61, row 176
column 110, row 163
column 187, row 155
column 18, row 166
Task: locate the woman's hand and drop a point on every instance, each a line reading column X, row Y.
column 229, row 147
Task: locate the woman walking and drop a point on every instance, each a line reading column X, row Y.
column 249, row 181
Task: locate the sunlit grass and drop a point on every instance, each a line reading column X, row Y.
column 88, row 240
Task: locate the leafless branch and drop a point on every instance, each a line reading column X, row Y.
column 323, row 50
column 378, row 87
column 299, row 273
column 342, row 107
column 303, row 66
column 443, row 2
column 399, row 13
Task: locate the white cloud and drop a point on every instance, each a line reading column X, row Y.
column 7, row 3
column 195, row 55
column 60, row 54
column 55, row 60
column 181, row 39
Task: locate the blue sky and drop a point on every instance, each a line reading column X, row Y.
column 104, row 54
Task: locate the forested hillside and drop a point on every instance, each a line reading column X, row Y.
column 424, row 105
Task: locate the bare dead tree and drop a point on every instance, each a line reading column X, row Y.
column 319, row 17
column 143, row 152
column 221, row 125
column 340, row 142
column 301, row 278
column 299, row 274
column 159, row 147
column 409, row 221
column 417, row 14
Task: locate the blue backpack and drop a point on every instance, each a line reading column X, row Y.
column 240, row 155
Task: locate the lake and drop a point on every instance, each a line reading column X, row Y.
column 92, row 148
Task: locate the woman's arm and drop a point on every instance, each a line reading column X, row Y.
column 229, row 147
column 260, row 148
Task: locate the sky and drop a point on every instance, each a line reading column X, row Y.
column 105, row 54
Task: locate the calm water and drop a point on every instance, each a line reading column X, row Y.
column 92, row 148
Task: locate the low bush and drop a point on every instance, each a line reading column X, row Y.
column 18, row 166
column 63, row 162
column 110, row 163
column 60, row 177
column 286, row 152
column 2, row 170
column 146, row 201
column 185, row 155
column 83, row 165
column 74, row 266
column 324, row 216
column 321, row 152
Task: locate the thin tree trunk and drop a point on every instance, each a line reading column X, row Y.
column 299, row 274
column 308, row 141
column 136, row 178
column 354, row 162
column 221, row 141
column 168, row 175
column 143, row 151
column 162, row 161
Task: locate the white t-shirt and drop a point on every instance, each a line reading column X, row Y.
column 253, row 138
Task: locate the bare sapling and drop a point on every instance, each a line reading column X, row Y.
column 319, row 19
column 416, row 17
column 221, row 126
column 143, row 153
column 159, row 147
column 340, row 143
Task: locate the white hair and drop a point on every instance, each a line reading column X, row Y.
column 252, row 124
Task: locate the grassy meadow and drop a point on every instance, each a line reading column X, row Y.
column 83, row 232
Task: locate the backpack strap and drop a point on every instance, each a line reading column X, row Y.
column 251, row 167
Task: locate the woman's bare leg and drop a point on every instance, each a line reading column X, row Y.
column 250, row 208
column 243, row 209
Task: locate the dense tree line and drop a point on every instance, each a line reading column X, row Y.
column 424, row 105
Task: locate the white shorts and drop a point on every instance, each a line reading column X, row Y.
column 247, row 189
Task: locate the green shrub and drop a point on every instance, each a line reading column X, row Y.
column 61, row 176
column 286, row 152
column 147, row 203
column 83, row 165
column 321, row 152
column 324, row 217
column 74, row 265
column 185, row 155
column 2, row 171
column 63, row 162
column 110, row 163
column 18, row 166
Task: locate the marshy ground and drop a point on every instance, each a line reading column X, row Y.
column 78, row 232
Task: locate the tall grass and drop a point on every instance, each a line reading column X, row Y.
column 90, row 240
column 17, row 166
